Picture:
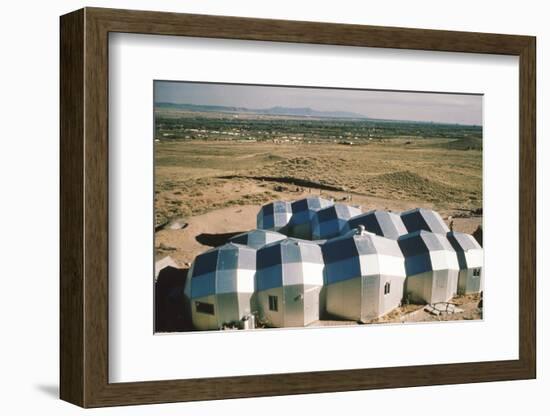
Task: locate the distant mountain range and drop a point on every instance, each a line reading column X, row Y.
column 273, row 111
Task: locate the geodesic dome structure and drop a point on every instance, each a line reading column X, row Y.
column 359, row 266
column 364, row 275
column 302, row 215
column 329, row 222
column 220, row 286
column 431, row 265
column 470, row 261
column 257, row 238
column 382, row 223
column 274, row 216
column 424, row 219
column 289, row 278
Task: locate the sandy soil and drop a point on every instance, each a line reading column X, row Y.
column 204, row 231
column 215, row 227
column 216, row 189
column 416, row 313
column 207, row 192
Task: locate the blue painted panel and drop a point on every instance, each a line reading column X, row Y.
column 269, row 278
column 339, row 249
column 228, row 258
column 418, row 264
column 205, row 263
column 203, row 285
column 290, row 252
column 268, row 256
column 414, row 221
column 342, row 270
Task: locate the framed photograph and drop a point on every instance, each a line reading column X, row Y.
column 255, row 207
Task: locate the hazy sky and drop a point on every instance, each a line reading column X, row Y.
column 448, row 108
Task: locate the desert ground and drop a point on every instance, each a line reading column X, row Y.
column 213, row 172
column 206, row 192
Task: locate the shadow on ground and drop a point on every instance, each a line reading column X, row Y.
column 169, row 301
column 51, row 390
column 215, row 240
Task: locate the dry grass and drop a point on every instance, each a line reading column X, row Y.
column 216, row 189
column 193, row 178
column 208, row 184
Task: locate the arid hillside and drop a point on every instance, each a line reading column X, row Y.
column 207, row 190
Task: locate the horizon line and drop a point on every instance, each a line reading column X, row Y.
column 362, row 116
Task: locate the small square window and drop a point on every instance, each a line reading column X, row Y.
column 273, row 303
column 387, row 288
column 477, row 272
column 204, row 307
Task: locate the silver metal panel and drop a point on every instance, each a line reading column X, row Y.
column 424, row 219
column 382, row 223
column 440, row 286
column 274, row 216
column 293, row 303
column 228, row 309
column 392, row 300
column 302, row 214
column 288, row 267
column 468, row 283
column 370, row 307
column 453, row 283
column 462, row 241
column 311, row 253
column 246, row 304
column 330, row 221
column 418, row 287
column 226, row 281
column 343, row 299
column 312, row 307
column 268, row 317
column 246, row 258
column 435, row 222
column 445, row 285
column 204, row 321
column 293, row 274
column 298, row 306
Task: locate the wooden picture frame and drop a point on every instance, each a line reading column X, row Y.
column 84, row 207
